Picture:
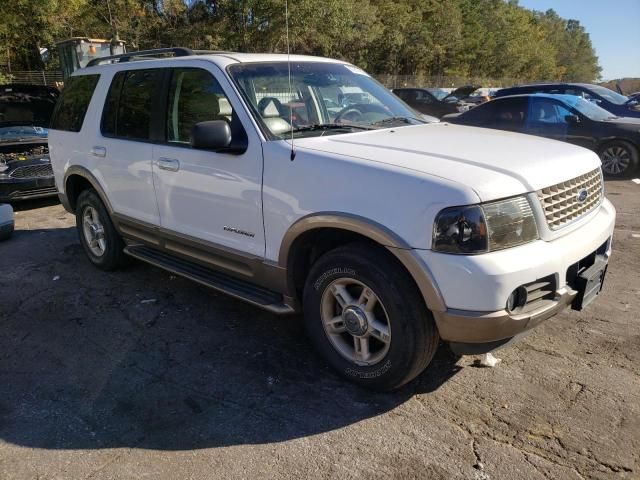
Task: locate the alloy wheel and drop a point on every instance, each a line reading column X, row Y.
column 93, row 231
column 355, row 321
column 615, row 160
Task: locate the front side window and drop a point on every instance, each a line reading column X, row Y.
column 321, row 96
column 129, row 103
column 546, row 111
column 194, row 96
column 72, row 105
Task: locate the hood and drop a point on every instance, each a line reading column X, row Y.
column 495, row 164
column 462, row 92
column 26, row 105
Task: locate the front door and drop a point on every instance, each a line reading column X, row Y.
column 550, row 119
column 212, row 198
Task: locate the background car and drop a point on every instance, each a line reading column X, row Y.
column 6, row 221
column 25, row 169
column 611, row 101
column 435, row 101
column 567, row 118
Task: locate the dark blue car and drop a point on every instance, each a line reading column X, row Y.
column 611, row 101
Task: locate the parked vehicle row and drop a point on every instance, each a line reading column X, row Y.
column 438, row 102
column 389, row 233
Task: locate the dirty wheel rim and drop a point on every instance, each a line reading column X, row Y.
column 93, row 231
column 615, row 160
column 355, row 321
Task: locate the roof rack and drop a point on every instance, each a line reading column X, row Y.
column 145, row 54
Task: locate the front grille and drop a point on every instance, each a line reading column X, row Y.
column 32, row 171
column 560, row 202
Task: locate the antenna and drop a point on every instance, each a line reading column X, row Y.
column 286, row 21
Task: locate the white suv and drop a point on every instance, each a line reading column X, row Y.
column 260, row 178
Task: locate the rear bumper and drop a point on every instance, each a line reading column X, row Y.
column 14, row 189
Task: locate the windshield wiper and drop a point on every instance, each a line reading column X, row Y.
column 389, row 120
column 329, row 126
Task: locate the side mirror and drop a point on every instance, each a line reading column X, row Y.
column 211, row 135
column 572, row 119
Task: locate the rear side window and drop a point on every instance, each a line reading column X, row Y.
column 129, row 103
column 73, row 103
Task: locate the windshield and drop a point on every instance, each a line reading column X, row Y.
column 334, row 95
column 438, row 93
column 609, row 95
column 21, row 133
column 25, row 107
column 589, row 109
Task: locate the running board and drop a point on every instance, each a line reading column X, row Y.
column 232, row 286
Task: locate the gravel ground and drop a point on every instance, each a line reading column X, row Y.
column 140, row 374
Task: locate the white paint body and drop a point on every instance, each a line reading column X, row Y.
column 397, row 177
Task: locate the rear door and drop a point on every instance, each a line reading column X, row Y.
column 214, row 199
column 123, row 151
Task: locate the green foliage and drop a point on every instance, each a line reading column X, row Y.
column 473, row 38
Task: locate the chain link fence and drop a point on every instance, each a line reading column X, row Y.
column 33, row 77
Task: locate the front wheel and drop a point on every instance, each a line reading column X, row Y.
column 100, row 240
column 366, row 317
column 619, row 158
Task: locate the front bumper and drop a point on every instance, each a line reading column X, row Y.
column 475, row 288
column 14, row 189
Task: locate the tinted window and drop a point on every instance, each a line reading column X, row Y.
column 127, row 111
column 73, row 103
column 110, row 112
column 194, row 96
column 508, row 114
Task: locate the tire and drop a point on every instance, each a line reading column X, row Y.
column 366, row 295
column 619, row 158
column 104, row 246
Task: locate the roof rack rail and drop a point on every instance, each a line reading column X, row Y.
column 157, row 52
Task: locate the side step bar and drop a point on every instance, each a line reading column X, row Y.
column 237, row 288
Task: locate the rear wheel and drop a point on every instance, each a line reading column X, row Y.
column 367, row 317
column 99, row 238
column 619, row 158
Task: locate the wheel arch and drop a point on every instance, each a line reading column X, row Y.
column 315, row 234
column 77, row 179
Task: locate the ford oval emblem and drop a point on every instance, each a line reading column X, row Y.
column 582, row 196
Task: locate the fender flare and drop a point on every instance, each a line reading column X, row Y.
column 88, row 176
column 380, row 234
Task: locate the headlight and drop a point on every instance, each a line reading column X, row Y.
column 484, row 228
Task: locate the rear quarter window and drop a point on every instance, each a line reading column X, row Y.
column 72, row 105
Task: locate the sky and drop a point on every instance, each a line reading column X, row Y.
column 614, row 28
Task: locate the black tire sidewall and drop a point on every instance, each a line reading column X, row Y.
column 633, row 153
column 412, row 328
column 113, row 255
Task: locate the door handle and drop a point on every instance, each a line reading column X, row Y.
column 169, row 164
column 99, row 151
